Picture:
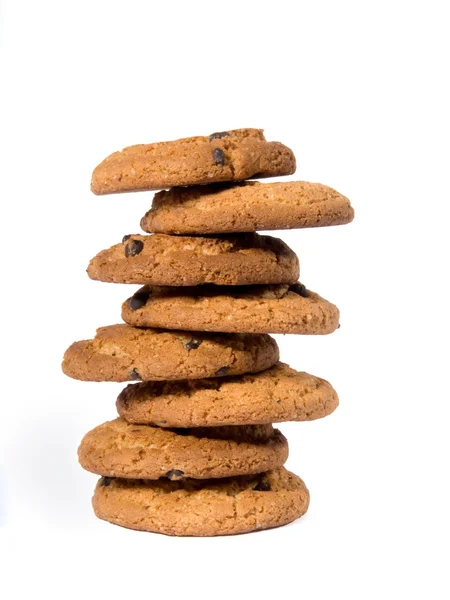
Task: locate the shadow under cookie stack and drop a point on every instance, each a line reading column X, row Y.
column 194, row 451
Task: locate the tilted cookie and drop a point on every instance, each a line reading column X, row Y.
column 121, row 449
column 124, row 353
column 272, row 396
column 251, row 309
column 203, row 507
column 248, row 206
column 225, row 156
column 159, row 259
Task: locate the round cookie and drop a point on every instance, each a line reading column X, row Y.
column 272, row 396
column 159, row 259
column 225, row 156
column 203, row 508
column 251, row 309
column 121, row 449
column 249, row 206
column 124, row 353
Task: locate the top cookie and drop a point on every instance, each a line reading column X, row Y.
column 245, row 207
column 225, row 156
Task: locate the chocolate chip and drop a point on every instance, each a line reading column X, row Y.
column 192, row 344
column 175, row 474
column 219, row 135
column 300, row 289
column 218, row 156
column 134, row 374
column 134, row 247
column 138, row 300
column 105, row 481
column 222, row 371
column 262, row 486
column 125, row 238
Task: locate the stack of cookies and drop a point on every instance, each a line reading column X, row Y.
column 194, row 450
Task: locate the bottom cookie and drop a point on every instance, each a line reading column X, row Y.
column 203, row 508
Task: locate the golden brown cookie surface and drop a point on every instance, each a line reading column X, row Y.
column 272, row 396
column 203, row 507
column 160, row 259
column 248, row 206
column 124, row 353
column 223, row 156
column 251, row 309
column 121, row 449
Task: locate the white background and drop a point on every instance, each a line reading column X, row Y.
column 360, row 91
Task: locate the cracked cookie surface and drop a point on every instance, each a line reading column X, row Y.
column 121, row 449
column 225, row 156
column 203, row 507
column 160, row 259
column 250, row 309
column 248, row 206
column 124, row 353
column 272, row 396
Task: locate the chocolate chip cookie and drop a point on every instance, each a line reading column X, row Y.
column 159, row 259
column 223, row 156
column 251, row 309
column 203, row 507
column 121, row 449
column 124, row 353
column 272, row 396
column 249, row 206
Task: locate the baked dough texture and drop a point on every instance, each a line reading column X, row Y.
column 224, row 156
column 272, row 396
column 203, row 507
column 248, row 206
column 160, row 259
column 251, row 309
column 121, row 449
column 124, row 353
